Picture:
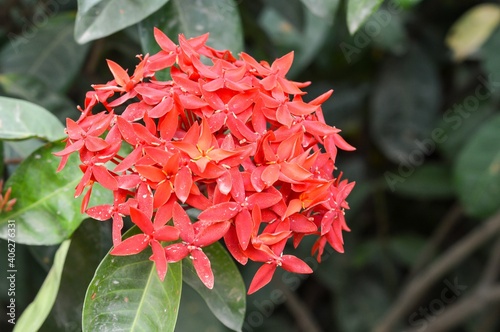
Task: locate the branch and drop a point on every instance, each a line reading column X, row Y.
column 301, row 313
column 439, row 235
column 455, row 314
column 422, row 281
column 493, row 268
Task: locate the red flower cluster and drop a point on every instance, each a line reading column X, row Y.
column 233, row 139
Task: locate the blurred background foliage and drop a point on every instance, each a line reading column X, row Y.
column 417, row 87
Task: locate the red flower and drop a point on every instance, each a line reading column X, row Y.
column 231, row 137
column 194, row 237
column 154, row 232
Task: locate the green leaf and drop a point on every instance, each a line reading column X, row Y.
column 292, row 11
column 430, row 181
column 406, row 4
column 32, row 89
column 20, row 120
column 46, row 211
column 322, row 8
column 491, row 61
column 358, row 12
column 50, row 54
column 36, row 313
column 127, row 295
column 477, row 171
column 193, row 18
column 79, row 269
column 405, row 105
column 472, row 29
column 227, row 299
column 192, row 305
column 100, row 18
column 460, row 123
column 286, row 37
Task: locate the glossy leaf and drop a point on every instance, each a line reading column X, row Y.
column 100, row 18
column 33, row 90
column 477, row 171
column 49, row 54
column 79, row 268
column 20, row 120
column 227, row 300
column 193, row 18
column 404, row 106
column 472, row 29
column 358, row 11
column 126, row 294
column 46, row 211
column 36, row 313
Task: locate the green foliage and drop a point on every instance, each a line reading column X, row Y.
column 126, row 294
column 46, row 211
column 97, row 19
column 227, row 299
column 51, row 54
column 477, row 171
column 35, row 314
column 416, row 92
column 407, row 85
column 358, row 11
column 78, row 271
column 191, row 19
column 20, row 120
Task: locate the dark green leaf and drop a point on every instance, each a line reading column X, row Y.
column 89, row 244
column 33, row 90
column 16, row 151
column 51, row 54
column 292, row 11
column 404, row 107
column 192, row 305
column 305, row 43
column 193, row 18
column 477, row 171
column 20, row 120
column 392, row 35
column 322, row 8
column 46, row 211
column 358, row 12
column 430, row 181
column 406, row 4
column 36, row 313
column 460, row 123
column 491, row 62
column 100, row 18
column 227, row 299
column 126, row 294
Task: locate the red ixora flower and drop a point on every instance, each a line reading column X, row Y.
column 233, row 138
